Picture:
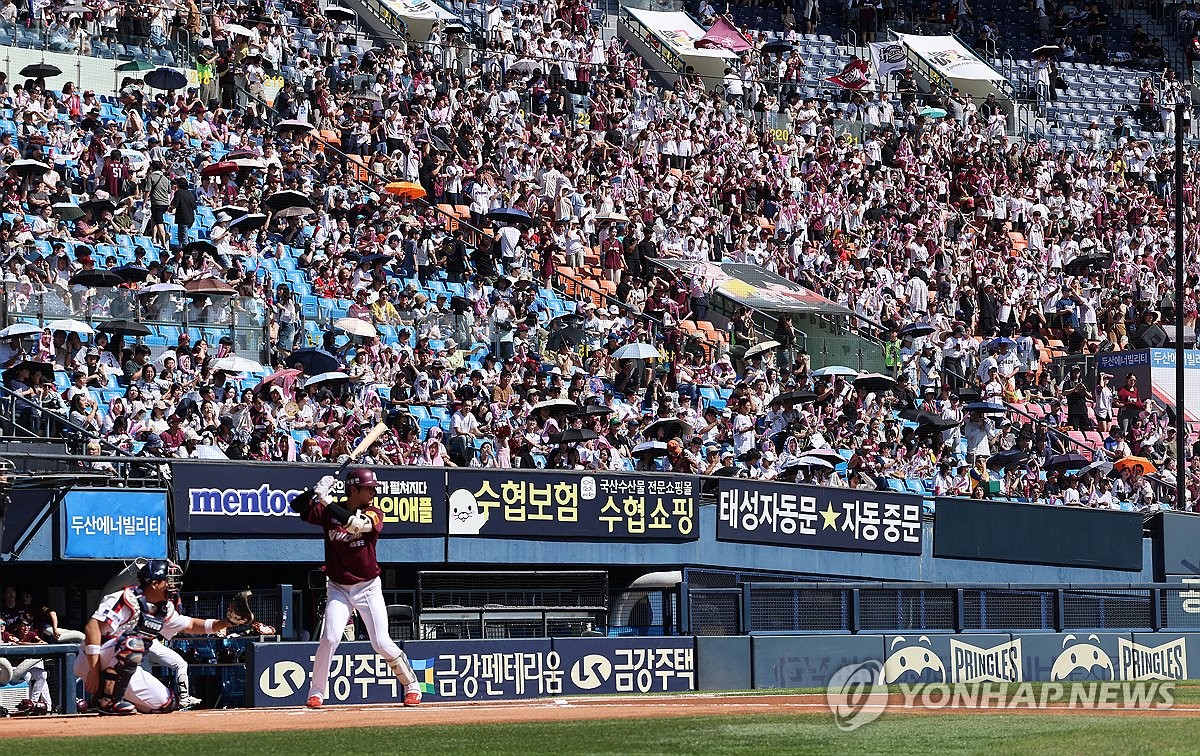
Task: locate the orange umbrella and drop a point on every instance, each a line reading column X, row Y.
column 1137, row 464
column 406, row 189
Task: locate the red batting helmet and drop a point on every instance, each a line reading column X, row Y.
column 361, row 476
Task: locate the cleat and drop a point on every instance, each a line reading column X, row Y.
column 189, row 702
column 259, row 628
column 117, row 708
column 412, row 698
column 314, row 702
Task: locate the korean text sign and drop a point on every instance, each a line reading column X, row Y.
column 478, row 670
column 114, row 524
column 520, row 503
column 818, row 517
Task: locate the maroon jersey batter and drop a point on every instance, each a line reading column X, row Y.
column 349, row 558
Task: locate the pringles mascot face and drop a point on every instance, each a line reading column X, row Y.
column 1082, row 661
column 913, row 664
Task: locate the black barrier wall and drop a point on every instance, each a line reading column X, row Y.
column 1008, row 531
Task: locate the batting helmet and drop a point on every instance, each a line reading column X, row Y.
column 361, row 476
column 159, row 569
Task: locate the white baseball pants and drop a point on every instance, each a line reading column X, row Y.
column 367, row 598
column 163, row 655
column 145, row 691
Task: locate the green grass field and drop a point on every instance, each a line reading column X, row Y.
column 804, row 733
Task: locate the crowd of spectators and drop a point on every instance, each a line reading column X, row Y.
column 999, row 249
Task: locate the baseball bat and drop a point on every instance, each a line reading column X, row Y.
column 371, row 437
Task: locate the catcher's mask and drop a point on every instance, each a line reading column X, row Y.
column 161, row 569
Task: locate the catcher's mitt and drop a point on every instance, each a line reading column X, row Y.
column 238, row 612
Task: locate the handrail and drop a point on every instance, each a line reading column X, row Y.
column 7, row 393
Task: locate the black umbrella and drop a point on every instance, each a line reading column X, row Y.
column 593, row 410
column 203, row 246
column 124, row 328
column 795, row 397
column 286, row 126
column 569, row 336
column 97, row 278
column 777, row 47
column 574, row 436
column 921, row 417
column 41, row 70
column 289, row 198
column 936, row 426
column 97, row 206
column 509, row 215
column 1009, row 458
column 986, row 408
column 1063, row 462
column 165, row 78
column 249, row 222
column 1083, row 263
column 132, row 273
column 565, row 321
column 372, row 259
column 27, row 166
column 917, row 329
column 45, row 368
column 233, row 211
column 670, row 427
column 968, row 394
column 875, row 382
column 312, row 361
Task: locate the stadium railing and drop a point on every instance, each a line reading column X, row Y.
column 839, row 608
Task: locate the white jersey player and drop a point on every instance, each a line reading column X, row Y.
column 118, row 634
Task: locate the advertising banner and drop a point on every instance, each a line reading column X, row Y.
column 530, row 503
column 752, row 511
column 278, row 674
column 114, row 524
column 949, row 57
column 242, row 499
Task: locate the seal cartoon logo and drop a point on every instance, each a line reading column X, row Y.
column 913, row 664
column 1082, row 661
column 466, row 517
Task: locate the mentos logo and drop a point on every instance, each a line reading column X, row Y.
column 264, row 501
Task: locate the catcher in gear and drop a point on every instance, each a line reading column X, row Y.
column 351, row 532
column 122, row 628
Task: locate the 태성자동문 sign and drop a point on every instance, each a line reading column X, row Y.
column 256, row 499
column 523, row 503
column 787, row 514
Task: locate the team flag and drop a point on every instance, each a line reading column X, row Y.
column 853, row 76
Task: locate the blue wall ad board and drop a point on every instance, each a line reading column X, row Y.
column 108, row 524
column 278, row 674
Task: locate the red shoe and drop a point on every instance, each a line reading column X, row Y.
column 314, row 702
column 412, row 699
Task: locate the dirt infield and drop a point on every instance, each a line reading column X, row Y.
column 541, row 710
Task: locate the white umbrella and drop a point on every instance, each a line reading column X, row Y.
column 559, row 404
column 763, row 346
column 834, row 370
column 235, row 364
column 73, row 326
column 813, row 461
column 249, row 163
column 357, row 327
column 160, row 288
column 238, row 29
column 332, row 375
column 829, row 455
column 1040, row 208
column 613, row 216
column 169, row 354
column 637, row 351
column 525, row 65
column 19, row 329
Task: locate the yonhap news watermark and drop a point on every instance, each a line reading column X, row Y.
column 857, row 695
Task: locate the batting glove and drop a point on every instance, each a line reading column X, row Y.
column 324, row 487
column 358, row 524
